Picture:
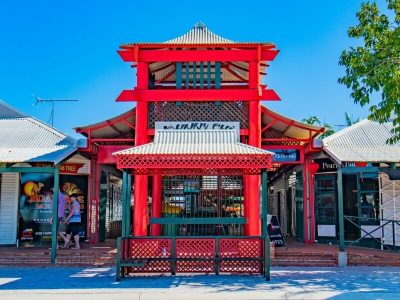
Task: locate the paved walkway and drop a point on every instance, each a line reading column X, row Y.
column 287, row 283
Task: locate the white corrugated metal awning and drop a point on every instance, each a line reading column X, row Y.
column 194, row 142
column 29, row 140
column 365, row 141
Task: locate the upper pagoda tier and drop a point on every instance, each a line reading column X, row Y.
column 199, row 60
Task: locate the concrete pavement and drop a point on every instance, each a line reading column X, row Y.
column 287, row 283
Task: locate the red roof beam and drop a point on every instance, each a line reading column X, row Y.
column 197, row 55
column 269, row 125
column 106, row 123
column 129, row 124
column 146, row 46
column 197, row 95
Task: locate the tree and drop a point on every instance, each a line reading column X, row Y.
column 313, row 120
column 374, row 67
column 349, row 119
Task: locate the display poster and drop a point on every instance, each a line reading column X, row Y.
column 78, row 184
column 36, row 199
column 36, row 203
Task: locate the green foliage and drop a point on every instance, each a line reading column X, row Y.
column 349, row 119
column 374, row 67
column 313, row 120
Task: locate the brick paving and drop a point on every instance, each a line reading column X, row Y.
column 297, row 254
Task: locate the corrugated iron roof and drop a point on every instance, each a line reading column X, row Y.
column 30, row 140
column 364, row 141
column 199, row 35
column 194, row 142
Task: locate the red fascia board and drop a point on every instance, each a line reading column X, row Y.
column 104, row 154
column 197, row 95
column 144, row 46
column 196, row 55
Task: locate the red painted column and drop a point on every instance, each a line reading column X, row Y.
column 312, row 210
column 245, row 204
column 253, row 181
column 97, row 197
column 312, row 169
column 306, row 202
column 140, row 217
column 156, row 204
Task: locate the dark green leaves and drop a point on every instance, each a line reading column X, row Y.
column 374, row 67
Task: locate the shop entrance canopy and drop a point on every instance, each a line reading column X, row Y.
column 194, row 151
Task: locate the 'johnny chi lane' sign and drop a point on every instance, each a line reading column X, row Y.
column 198, row 126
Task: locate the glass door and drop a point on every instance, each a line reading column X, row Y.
column 325, row 206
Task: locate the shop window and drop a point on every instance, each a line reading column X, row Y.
column 369, row 206
column 326, row 199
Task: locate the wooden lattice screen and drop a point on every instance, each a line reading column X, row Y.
column 199, row 111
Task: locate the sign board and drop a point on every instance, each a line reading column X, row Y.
column 70, row 168
column 275, row 232
column 285, row 155
column 199, row 126
column 326, row 165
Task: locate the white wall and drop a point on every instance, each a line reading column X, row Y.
column 9, row 208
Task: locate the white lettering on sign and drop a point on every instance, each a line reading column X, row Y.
column 328, row 166
column 198, row 126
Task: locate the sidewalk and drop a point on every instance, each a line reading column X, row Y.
column 287, row 283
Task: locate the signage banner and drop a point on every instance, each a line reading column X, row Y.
column 199, row 126
column 285, row 155
column 36, row 203
column 326, row 165
column 70, row 168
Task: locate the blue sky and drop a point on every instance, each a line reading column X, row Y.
column 67, row 49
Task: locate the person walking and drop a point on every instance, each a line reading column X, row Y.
column 61, row 227
column 73, row 219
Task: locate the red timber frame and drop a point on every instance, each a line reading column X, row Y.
column 253, row 92
column 100, row 151
column 306, row 149
column 142, row 55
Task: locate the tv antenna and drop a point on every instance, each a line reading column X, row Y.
column 52, row 102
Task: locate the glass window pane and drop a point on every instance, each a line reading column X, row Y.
column 326, row 215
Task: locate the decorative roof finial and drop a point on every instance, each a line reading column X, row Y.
column 200, row 25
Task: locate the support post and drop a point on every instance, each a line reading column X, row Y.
column 97, row 203
column 253, row 181
column 306, row 202
column 156, row 204
column 128, row 203
column 124, row 202
column 246, row 204
column 55, row 215
column 340, row 206
column 141, row 137
column 265, row 235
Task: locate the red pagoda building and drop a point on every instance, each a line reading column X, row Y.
column 197, row 143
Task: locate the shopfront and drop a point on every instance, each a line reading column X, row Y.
column 356, row 187
column 36, row 199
